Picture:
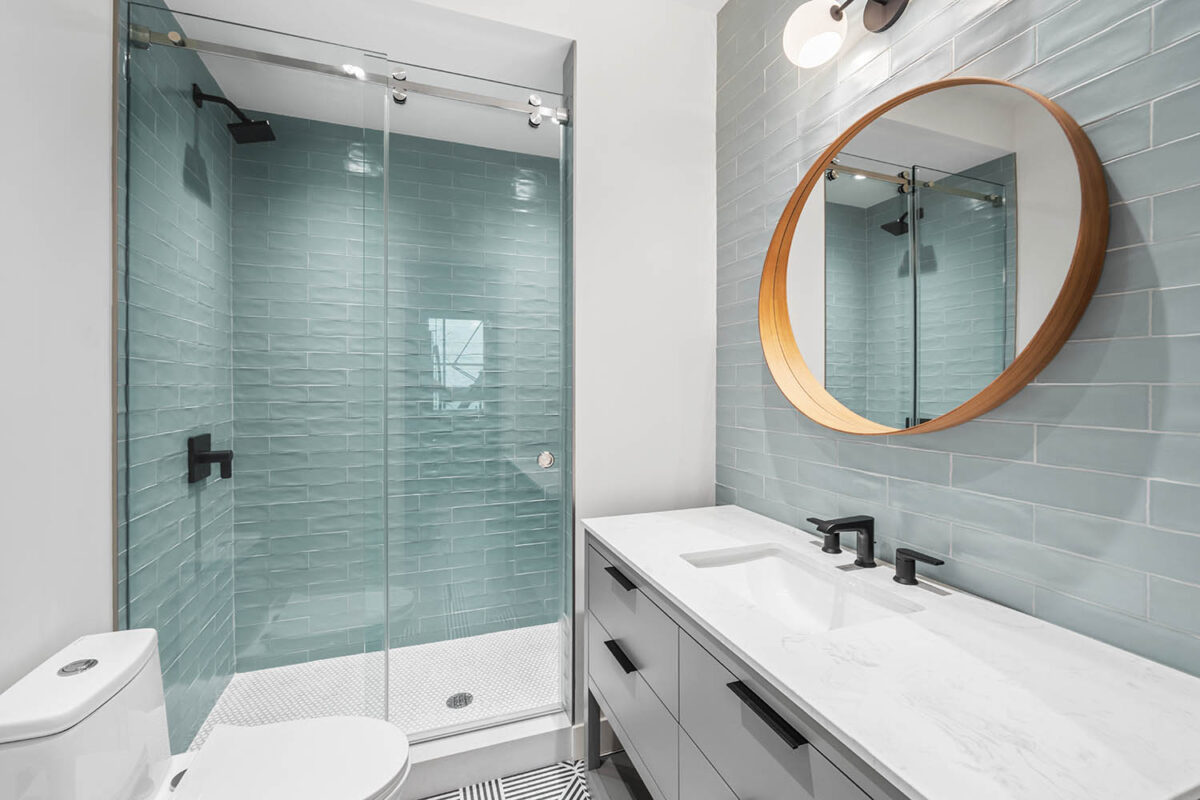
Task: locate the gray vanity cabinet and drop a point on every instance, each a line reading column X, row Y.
column 756, row 759
column 645, row 632
column 695, row 728
column 698, row 780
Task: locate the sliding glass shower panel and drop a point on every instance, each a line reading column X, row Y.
column 252, row 314
column 476, row 411
column 869, row 289
column 346, row 293
column 965, row 282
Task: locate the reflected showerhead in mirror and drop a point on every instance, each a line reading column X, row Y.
column 246, row 130
column 897, row 227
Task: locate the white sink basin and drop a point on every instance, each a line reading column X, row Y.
column 801, row 597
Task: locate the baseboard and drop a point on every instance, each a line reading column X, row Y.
column 443, row 765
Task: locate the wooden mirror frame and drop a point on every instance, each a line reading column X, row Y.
column 810, row 396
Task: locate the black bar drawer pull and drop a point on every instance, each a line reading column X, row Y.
column 790, row 735
column 620, row 578
column 620, row 656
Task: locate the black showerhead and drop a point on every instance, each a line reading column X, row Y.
column 897, row 227
column 247, row 131
column 255, row 130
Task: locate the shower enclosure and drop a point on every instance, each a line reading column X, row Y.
column 343, row 276
column 920, row 283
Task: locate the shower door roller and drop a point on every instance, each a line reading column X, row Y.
column 545, row 459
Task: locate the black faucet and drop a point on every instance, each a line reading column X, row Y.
column 201, row 457
column 865, row 546
column 906, row 565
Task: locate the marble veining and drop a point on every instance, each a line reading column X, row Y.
column 962, row 698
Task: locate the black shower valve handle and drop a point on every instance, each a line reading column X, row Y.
column 201, row 457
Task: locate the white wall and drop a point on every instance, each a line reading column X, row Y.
column 55, row 328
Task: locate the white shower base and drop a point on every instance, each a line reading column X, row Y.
column 510, row 674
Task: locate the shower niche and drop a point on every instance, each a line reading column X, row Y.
column 349, row 272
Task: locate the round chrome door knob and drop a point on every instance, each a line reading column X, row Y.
column 545, row 459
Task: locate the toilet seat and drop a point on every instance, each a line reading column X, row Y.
column 329, row 758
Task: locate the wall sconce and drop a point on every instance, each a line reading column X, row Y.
column 815, row 31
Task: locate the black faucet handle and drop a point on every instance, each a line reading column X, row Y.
column 843, row 523
column 906, row 565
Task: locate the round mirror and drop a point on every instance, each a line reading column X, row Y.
column 934, row 258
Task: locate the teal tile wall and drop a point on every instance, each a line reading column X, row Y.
column 889, row 319
column 174, row 348
column 476, row 527
column 1021, row 509
column 308, row 358
column 846, row 332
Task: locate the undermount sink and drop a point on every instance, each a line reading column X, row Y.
column 800, row 596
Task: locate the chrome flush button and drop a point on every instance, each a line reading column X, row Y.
column 76, row 667
column 545, row 459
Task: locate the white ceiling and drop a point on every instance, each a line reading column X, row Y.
column 449, row 47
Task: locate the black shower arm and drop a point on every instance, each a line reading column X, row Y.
column 199, row 98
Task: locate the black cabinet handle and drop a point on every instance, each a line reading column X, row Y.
column 620, row 656
column 620, row 578
column 791, row 737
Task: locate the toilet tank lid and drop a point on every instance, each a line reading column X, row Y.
column 50, row 699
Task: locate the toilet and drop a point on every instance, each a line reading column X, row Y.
column 90, row 723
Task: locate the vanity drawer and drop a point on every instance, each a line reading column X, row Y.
column 697, row 778
column 754, row 758
column 648, row 636
column 639, row 717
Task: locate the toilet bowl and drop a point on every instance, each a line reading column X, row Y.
column 90, row 724
column 330, row 758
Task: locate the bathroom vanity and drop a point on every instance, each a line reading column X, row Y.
column 734, row 659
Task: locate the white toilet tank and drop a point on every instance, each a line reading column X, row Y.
column 76, row 730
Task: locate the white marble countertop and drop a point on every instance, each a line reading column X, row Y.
column 963, row 700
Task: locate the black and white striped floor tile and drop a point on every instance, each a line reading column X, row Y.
column 562, row 781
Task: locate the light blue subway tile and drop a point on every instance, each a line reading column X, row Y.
column 1153, row 455
column 895, row 461
column 1174, row 311
column 1094, row 492
column 1173, row 505
column 1174, row 20
column 1131, row 633
column 1012, row 518
column 1115, row 587
column 1177, row 116
column 1140, row 547
column 1175, row 604
column 1138, row 360
column 1113, row 316
column 1175, row 408
column 1118, row 406
column 1174, row 214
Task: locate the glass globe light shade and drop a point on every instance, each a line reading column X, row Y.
column 812, row 36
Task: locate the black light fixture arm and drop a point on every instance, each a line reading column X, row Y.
column 878, row 16
column 200, row 98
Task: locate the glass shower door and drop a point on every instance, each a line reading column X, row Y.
column 476, row 412
column 965, row 282
column 251, row 313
